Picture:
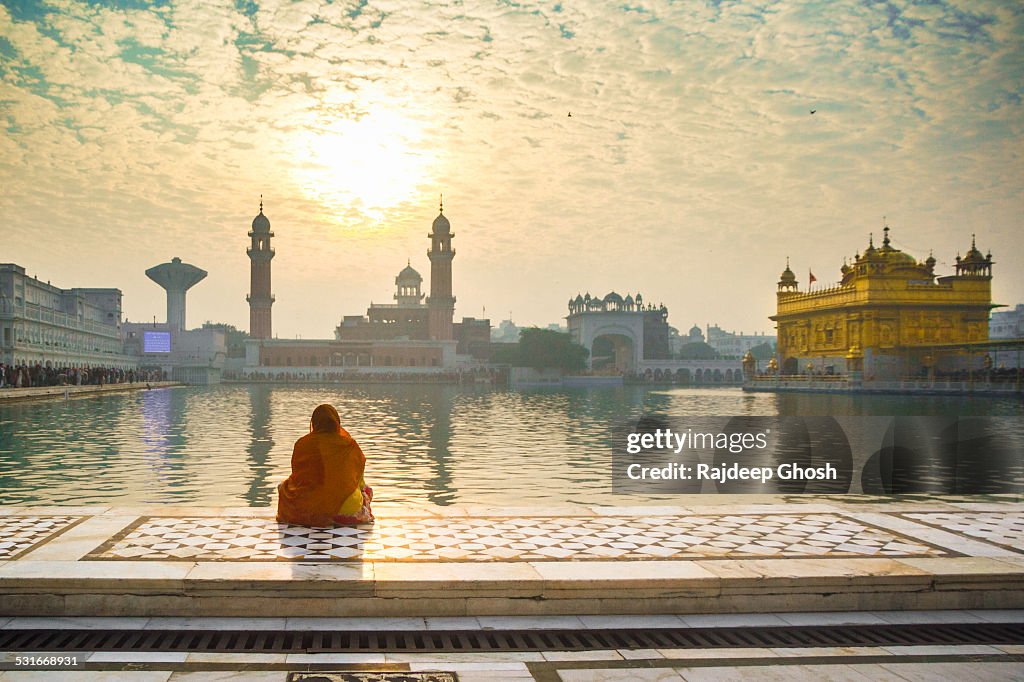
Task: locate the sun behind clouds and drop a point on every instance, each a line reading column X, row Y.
column 372, row 163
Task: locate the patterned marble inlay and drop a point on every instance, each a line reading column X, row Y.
column 511, row 539
column 1003, row 528
column 19, row 534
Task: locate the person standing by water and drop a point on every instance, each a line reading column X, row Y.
column 326, row 487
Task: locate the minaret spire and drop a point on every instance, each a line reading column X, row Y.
column 441, row 204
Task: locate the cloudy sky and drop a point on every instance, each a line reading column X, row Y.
column 690, row 168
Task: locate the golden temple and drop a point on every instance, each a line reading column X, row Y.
column 886, row 317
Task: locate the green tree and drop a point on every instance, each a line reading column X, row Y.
column 505, row 353
column 697, row 350
column 234, row 338
column 542, row 348
column 763, row 352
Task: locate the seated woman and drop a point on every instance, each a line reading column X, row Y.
column 326, row 487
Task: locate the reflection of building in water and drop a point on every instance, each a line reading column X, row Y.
column 439, row 484
column 415, row 333
column 261, row 442
column 54, row 327
column 889, row 316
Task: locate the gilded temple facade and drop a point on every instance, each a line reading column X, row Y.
column 889, row 317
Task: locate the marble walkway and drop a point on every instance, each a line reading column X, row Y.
column 709, row 554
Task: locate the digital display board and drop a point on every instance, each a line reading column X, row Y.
column 156, row 342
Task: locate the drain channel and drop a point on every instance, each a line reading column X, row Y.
column 290, row 641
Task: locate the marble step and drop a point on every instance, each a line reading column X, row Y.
column 421, row 589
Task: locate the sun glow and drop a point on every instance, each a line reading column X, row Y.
column 367, row 165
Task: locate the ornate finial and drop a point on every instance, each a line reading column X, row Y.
column 408, row 262
column 261, row 203
column 885, row 240
column 871, row 239
column 441, row 205
column 972, row 241
column 787, row 262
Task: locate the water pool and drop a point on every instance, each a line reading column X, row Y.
column 230, row 445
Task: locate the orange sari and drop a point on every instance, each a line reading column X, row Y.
column 326, row 482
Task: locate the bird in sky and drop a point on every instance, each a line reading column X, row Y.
column 570, row 114
column 812, row 111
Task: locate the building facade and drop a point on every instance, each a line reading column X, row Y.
column 886, row 317
column 53, row 327
column 620, row 333
column 411, row 318
column 406, row 318
column 1007, row 324
column 414, row 334
column 733, row 344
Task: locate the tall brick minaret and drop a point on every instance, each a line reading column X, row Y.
column 441, row 303
column 260, row 299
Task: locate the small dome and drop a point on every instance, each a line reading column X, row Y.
column 408, row 274
column 974, row 255
column 578, row 299
column 260, row 223
column 895, row 256
column 628, row 300
column 696, row 331
column 613, row 298
column 441, row 224
column 787, row 276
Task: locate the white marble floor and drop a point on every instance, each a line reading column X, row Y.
column 513, row 539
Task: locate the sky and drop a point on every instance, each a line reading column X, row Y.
column 690, row 168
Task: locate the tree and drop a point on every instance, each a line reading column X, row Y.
column 234, row 338
column 542, row 349
column 697, row 350
column 763, row 352
column 505, row 353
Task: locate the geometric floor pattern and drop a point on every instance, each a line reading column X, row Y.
column 566, row 538
column 18, row 534
column 1002, row 528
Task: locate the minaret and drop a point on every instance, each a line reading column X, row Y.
column 441, row 302
column 260, row 299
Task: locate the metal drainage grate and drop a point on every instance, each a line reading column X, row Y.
column 283, row 641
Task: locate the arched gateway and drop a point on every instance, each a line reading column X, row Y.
column 620, row 333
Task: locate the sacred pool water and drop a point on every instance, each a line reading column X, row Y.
column 231, row 445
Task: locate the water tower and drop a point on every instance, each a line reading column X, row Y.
column 176, row 278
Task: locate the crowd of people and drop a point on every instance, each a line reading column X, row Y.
column 31, row 376
column 362, row 377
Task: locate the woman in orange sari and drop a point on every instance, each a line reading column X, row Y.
column 326, row 487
